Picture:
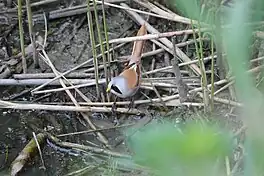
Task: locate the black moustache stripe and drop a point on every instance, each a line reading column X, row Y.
column 116, row 89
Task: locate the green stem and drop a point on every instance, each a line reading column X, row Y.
column 100, row 40
column 212, row 75
column 91, row 32
column 199, row 52
column 21, row 36
column 107, row 46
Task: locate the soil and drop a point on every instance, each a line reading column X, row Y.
column 68, row 45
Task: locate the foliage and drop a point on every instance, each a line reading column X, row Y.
column 200, row 150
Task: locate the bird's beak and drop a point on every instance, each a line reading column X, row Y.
column 108, row 89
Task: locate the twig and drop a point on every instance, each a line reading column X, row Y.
column 156, row 35
column 46, row 30
column 74, row 68
column 51, row 75
column 176, row 18
column 40, row 153
column 228, row 102
column 180, row 65
column 59, row 76
column 89, row 148
column 92, row 83
column 227, row 164
column 224, row 101
column 224, row 87
column 101, row 81
column 165, row 41
column 100, row 136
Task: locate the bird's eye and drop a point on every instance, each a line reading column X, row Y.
column 116, row 89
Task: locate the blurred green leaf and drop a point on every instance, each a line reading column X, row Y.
column 166, row 147
column 188, row 8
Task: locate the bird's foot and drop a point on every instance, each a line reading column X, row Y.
column 131, row 104
column 113, row 111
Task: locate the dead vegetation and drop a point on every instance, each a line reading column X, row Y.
column 58, row 56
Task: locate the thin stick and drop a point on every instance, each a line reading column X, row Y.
column 176, row 18
column 46, row 30
column 227, row 164
column 101, row 81
column 180, row 65
column 199, row 53
column 100, row 136
column 40, row 153
column 224, row 101
column 59, row 76
column 31, row 106
column 100, row 40
column 21, row 35
column 51, row 75
column 212, row 75
column 74, row 68
column 157, row 35
column 165, row 41
column 90, row 149
column 90, row 23
column 107, row 46
column 224, row 87
column 137, row 102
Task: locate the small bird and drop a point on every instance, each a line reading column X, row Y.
column 127, row 83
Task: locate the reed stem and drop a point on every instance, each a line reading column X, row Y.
column 92, row 39
column 21, row 36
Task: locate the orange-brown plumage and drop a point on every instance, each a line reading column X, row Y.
column 127, row 83
column 128, row 74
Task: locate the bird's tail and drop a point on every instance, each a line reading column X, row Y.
column 138, row 45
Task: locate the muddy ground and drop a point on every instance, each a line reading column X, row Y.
column 69, row 45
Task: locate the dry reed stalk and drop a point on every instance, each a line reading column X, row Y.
column 171, row 17
column 101, row 137
column 165, row 41
column 31, row 106
column 156, row 35
column 72, row 69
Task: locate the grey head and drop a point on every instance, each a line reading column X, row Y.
column 118, row 86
